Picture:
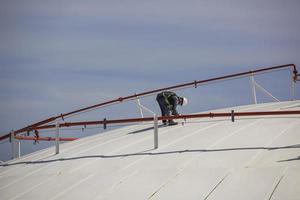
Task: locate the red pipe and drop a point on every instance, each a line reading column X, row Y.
column 204, row 115
column 3, row 137
column 130, row 120
column 44, row 138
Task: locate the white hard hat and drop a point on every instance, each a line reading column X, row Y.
column 184, row 101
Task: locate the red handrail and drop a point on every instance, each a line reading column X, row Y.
column 120, row 99
column 202, row 115
column 131, row 120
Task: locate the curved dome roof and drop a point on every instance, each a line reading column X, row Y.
column 251, row 158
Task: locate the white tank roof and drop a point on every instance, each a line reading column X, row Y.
column 251, row 158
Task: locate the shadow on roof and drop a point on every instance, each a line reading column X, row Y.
column 145, row 153
column 292, row 159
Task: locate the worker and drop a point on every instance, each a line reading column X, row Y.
column 168, row 102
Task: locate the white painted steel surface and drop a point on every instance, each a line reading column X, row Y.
column 252, row 158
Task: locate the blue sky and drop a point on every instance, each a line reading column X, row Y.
column 59, row 55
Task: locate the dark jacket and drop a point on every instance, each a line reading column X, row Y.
column 170, row 100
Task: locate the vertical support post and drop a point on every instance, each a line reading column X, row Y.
column 104, row 123
column 139, row 106
column 57, row 138
column 155, row 131
column 292, row 86
column 18, row 148
column 293, row 90
column 13, row 144
column 253, row 88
